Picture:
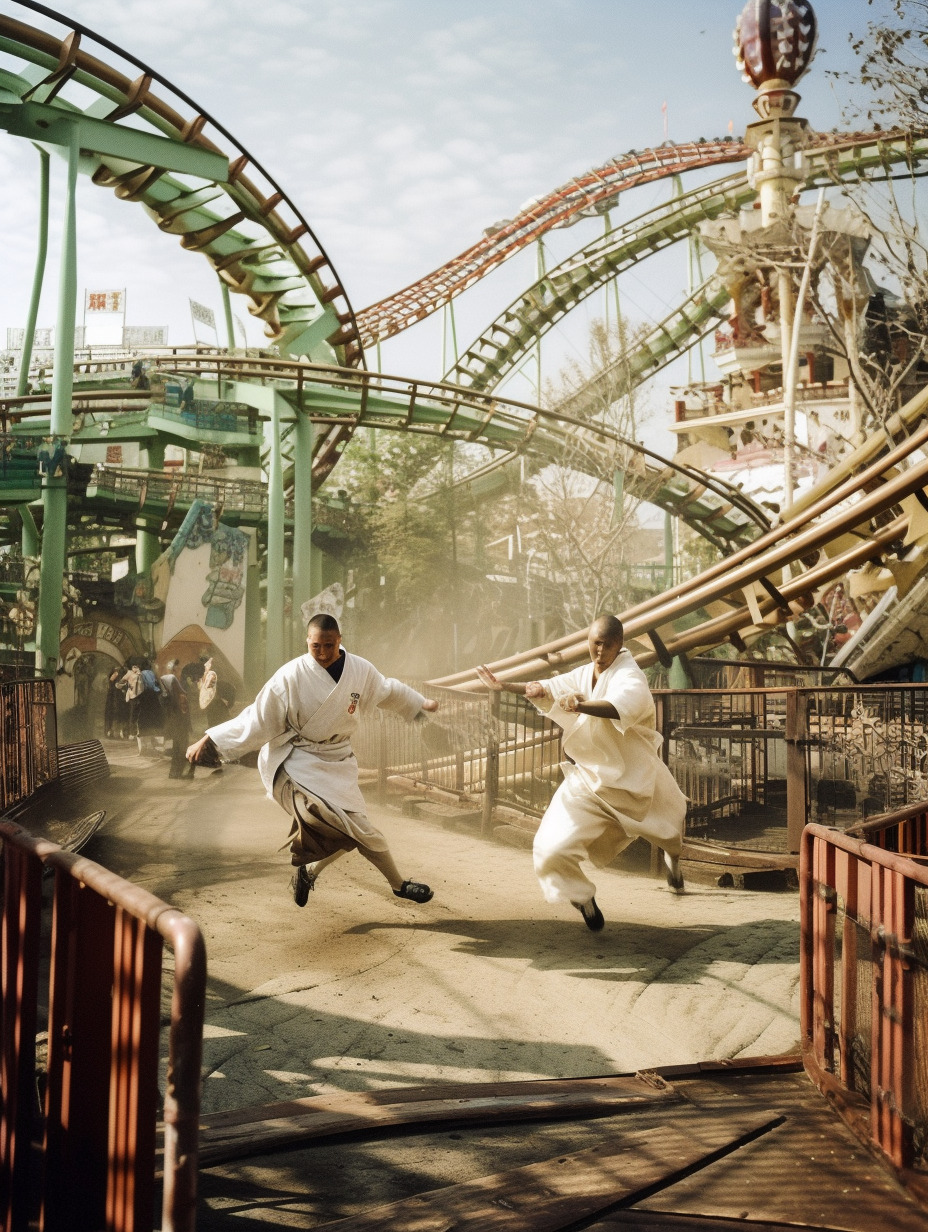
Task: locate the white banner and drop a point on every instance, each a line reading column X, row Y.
column 105, row 301
column 201, row 313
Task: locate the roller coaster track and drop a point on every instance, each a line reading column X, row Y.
column 336, row 398
column 252, row 234
column 502, row 345
column 592, row 193
column 868, row 508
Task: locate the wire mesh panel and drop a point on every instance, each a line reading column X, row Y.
column 866, row 750
column 727, row 752
column 529, row 755
column 447, row 751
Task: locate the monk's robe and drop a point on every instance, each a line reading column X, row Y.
column 616, row 787
column 302, row 721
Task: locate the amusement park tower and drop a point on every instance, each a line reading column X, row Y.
column 774, row 44
column 786, row 407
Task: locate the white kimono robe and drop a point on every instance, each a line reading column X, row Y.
column 302, row 721
column 618, row 787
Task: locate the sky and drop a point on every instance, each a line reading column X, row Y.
column 403, row 128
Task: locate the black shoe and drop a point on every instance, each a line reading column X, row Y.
column 301, row 883
column 415, row 891
column 674, row 873
column 593, row 918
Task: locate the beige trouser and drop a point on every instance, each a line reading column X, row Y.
column 317, row 841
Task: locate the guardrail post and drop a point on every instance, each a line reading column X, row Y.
column 797, row 784
column 79, row 1052
column 19, row 966
column 491, row 771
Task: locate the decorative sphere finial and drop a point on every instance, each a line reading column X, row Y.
column 775, row 40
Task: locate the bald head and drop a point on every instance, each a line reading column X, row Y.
column 605, row 641
column 608, row 626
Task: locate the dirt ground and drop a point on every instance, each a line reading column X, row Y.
column 360, row 991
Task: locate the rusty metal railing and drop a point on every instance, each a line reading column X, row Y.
column 85, row 1160
column 28, row 739
column 864, row 981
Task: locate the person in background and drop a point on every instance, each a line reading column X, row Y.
column 176, row 722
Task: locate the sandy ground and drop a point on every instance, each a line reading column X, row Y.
column 359, row 990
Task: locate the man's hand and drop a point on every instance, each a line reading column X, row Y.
column 485, row 676
column 535, row 688
column 430, row 704
column 205, row 749
column 571, row 702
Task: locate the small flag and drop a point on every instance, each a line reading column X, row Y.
column 201, row 313
column 105, row 301
column 664, row 113
column 731, row 126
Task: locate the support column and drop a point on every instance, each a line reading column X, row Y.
column 253, row 678
column 618, row 496
column 302, row 521
column 30, row 532
column 274, row 632
column 55, row 489
column 147, row 530
column 147, row 544
column 41, row 252
column 668, row 550
column 227, row 310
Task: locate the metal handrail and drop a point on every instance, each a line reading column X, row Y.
column 101, row 1101
column 866, row 1063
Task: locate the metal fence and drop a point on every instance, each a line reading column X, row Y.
column 755, row 764
column 99, row 973
column 28, row 739
column 864, row 980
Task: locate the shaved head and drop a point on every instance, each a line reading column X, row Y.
column 605, row 642
column 324, row 622
column 608, row 627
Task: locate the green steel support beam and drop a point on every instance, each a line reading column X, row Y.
column 38, row 278
column 618, row 495
column 147, row 545
column 227, row 311
column 62, row 417
column 302, row 522
column 30, row 532
column 51, row 574
column 253, row 677
column 274, row 633
column 668, row 550
column 55, row 489
column 52, row 125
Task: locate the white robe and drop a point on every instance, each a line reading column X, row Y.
column 302, row 720
column 618, row 788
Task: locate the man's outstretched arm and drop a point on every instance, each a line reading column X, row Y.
column 576, row 703
column 534, row 688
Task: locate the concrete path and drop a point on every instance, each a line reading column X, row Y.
column 359, row 990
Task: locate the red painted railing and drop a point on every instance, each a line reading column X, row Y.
column 864, row 980
column 86, row 1161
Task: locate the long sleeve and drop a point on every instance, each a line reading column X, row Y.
column 398, row 697
column 263, row 722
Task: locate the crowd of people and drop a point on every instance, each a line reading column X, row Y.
column 170, row 709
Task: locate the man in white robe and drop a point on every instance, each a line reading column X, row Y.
column 616, row 787
column 302, row 722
